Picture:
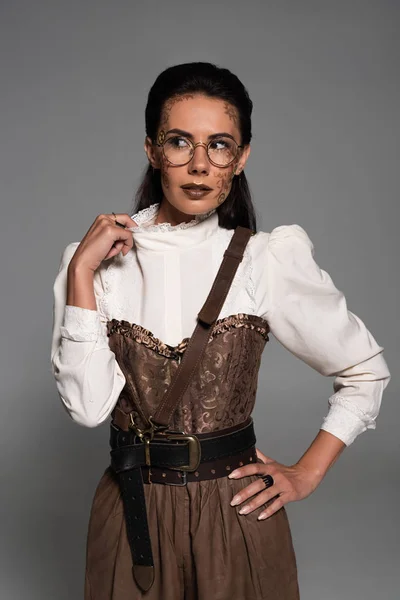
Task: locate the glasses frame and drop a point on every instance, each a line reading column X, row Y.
column 194, row 146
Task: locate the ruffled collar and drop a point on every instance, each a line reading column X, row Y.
column 165, row 236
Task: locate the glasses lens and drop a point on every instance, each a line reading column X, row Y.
column 177, row 150
column 222, row 151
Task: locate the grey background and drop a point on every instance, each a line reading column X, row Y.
column 324, row 80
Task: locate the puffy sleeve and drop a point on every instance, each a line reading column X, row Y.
column 308, row 315
column 88, row 377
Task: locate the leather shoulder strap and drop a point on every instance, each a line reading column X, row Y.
column 206, row 318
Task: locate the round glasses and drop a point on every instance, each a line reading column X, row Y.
column 178, row 150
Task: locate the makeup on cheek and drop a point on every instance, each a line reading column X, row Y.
column 221, row 198
column 165, row 179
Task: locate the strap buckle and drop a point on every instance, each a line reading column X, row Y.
column 194, row 449
column 145, row 435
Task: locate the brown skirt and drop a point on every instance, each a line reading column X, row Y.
column 202, row 548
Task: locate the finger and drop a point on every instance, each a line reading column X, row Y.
column 115, row 249
column 250, row 490
column 253, row 469
column 266, row 459
column 257, row 501
column 124, row 219
column 123, row 241
column 118, row 246
column 272, row 508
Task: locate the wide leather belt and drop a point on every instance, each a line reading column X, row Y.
column 171, row 458
column 211, row 470
column 177, row 450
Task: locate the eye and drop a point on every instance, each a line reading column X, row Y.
column 221, row 144
column 177, row 142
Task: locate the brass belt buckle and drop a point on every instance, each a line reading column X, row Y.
column 193, row 447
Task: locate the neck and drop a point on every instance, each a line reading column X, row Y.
column 169, row 214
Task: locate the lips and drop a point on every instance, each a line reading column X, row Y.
column 196, row 187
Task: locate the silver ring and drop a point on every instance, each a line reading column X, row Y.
column 117, row 222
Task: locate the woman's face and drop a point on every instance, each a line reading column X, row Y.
column 197, row 118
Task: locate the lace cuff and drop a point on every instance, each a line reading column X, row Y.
column 345, row 421
column 80, row 324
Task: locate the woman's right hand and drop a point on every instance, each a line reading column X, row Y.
column 103, row 240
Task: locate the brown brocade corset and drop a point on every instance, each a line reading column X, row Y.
column 223, row 389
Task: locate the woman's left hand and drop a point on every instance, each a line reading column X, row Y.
column 291, row 483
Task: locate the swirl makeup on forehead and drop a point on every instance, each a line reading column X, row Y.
column 231, row 112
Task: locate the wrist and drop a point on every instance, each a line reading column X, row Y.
column 79, row 270
column 80, row 287
column 322, row 454
column 315, row 470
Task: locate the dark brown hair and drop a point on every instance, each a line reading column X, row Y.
column 215, row 82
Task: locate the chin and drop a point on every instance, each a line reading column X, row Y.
column 194, row 207
column 200, row 208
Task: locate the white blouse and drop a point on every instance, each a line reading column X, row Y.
column 162, row 283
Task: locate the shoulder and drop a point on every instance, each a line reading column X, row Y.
column 281, row 240
column 288, row 235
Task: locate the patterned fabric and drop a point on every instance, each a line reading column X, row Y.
column 223, row 390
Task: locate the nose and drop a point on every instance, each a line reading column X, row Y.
column 199, row 162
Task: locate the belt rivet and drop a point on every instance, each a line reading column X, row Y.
column 227, row 468
column 241, row 464
column 197, row 473
column 251, row 459
column 213, row 471
column 164, row 474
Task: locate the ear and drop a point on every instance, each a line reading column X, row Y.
column 243, row 159
column 152, row 153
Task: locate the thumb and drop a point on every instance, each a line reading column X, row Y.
column 130, row 222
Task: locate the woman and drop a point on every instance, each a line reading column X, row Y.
column 126, row 303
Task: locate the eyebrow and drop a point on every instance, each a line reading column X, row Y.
column 210, row 137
